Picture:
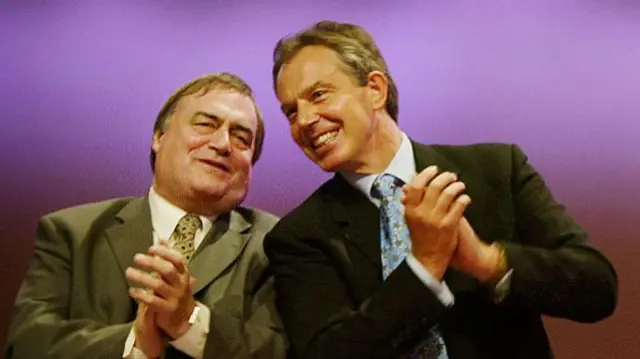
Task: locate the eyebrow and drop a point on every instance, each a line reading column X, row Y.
column 306, row 90
column 208, row 115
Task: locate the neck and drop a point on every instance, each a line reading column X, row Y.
column 200, row 208
column 382, row 146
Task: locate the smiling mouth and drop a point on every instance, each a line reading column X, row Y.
column 324, row 139
column 216, row 164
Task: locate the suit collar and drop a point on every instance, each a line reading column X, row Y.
column 222, row 247
column 426, row 156
column 132, row 233
column 357, row 217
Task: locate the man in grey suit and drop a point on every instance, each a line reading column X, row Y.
column 178, row 273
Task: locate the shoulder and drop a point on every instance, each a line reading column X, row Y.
column 486, row 156
column 483, row 150
column 311, row 214
column 85, row 215
column 89, row 211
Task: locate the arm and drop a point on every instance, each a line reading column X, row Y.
column 318, row 312
column 41, row 327
column 555, row 270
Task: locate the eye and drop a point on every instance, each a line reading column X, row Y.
column 291, row 115
column 242, row 141
column 205, row 123
column 317, row 94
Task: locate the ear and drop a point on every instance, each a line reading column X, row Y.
column 378, row 88
column 156, row 141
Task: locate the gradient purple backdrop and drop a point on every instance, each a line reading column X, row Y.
column 81, row 85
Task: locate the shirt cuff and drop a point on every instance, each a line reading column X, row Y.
column 130, row 351
column 502, row 289
column 440, row 289
column 193, row 341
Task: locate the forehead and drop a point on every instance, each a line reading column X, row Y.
column 222, row 103
column 310, row 65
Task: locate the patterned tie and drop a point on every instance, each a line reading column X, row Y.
column 182, row 238
column 395, row 245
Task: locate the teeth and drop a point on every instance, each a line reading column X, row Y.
column 324, row 138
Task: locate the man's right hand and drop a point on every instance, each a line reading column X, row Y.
column 433, row 208
column 149, row 338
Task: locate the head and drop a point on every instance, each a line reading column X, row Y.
column 206, row 138
column 336, row 91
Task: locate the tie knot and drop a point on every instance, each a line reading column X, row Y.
column 189, row 224
column 384, row 186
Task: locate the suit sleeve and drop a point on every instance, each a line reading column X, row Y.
column 320, row 317
column 555, row 269
column 40, row 326
column 258, row 333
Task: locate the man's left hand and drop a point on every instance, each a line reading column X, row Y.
column 473, row 256
column 169, row 288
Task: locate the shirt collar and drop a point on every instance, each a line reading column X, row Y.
column 402, row 166
column 165, row 215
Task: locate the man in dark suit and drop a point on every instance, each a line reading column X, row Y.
column 178, row 273
column 415, row 251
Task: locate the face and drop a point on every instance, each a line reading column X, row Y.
column 203, row 157
column 331, row 117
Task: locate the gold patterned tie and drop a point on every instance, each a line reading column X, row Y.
column 183, row 237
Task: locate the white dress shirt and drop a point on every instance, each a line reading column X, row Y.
column 164, row 218
column 403, row 166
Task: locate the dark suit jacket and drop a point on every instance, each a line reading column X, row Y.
column 334, row 304
column 74, row 301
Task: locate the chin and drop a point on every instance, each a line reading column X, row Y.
column 209, row 189
column 336, row 160
column 330, row 164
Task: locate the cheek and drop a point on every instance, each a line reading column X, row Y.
column 243, row 165
column 196, row 142
column 296, row 133
column 196, row 146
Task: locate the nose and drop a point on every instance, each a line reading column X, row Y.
column 307, row 115
column 221, row 142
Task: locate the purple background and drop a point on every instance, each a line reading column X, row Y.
column 81, row 83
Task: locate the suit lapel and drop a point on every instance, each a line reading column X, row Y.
column 220, row 249
column 133, row 234
column 426, row 156
column 357, row 217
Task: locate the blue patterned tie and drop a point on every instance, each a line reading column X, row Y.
column 395, row 245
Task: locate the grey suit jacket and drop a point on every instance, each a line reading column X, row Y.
column 74, row 300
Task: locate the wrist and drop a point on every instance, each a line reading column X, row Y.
column 185, row 322
column 434, row 265
column 494, row 264
column 146, row 351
